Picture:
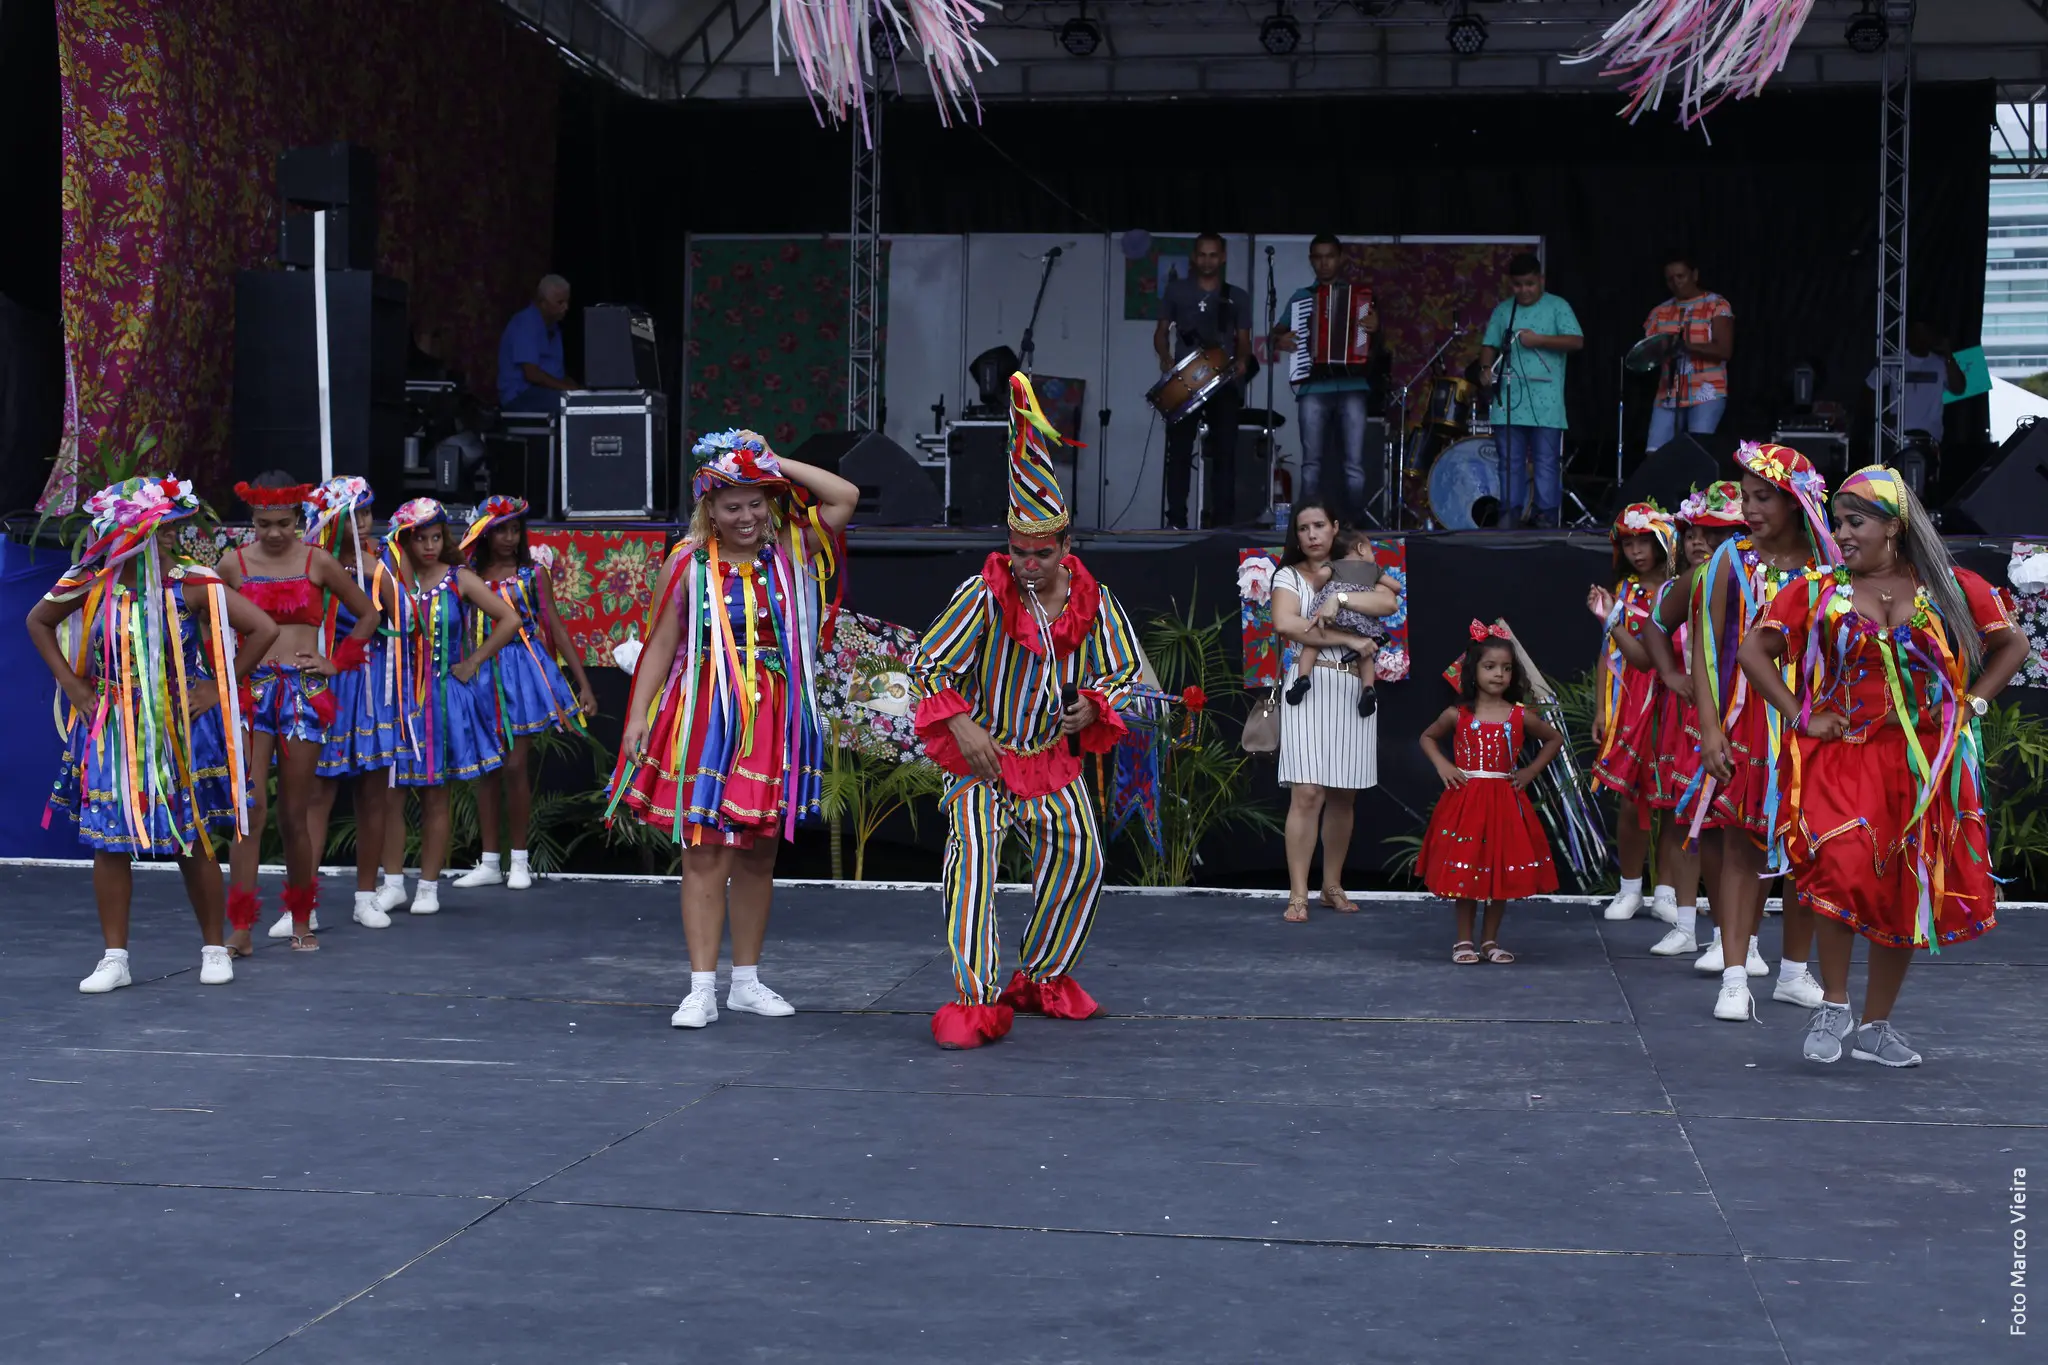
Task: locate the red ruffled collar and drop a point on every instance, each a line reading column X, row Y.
column 1084, row 600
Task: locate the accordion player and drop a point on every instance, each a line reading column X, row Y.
column 1333, row 327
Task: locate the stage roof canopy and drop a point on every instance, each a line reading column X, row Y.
column 1158, row 49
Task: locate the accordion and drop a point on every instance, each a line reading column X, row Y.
column 1330, row 335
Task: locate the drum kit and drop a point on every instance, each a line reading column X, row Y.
column 1450, row 472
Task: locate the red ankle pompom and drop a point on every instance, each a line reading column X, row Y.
column 244, row 906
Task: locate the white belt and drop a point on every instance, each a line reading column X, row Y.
column 1469, row 773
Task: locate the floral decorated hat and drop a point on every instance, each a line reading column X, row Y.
column 737, row 458
column 327, row 507
column 1646, row 519
column 493, row 512
column 125, row 515
column 412, row 515
column 1718, row 504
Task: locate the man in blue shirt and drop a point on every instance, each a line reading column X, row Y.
column 532, row 376
column 1331, row 403
column 1530, row 334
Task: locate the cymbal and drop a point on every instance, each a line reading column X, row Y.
column 1650, row 353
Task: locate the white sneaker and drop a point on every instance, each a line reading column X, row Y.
column 283, row 927
column 1735, row 1003
column 483, row 874
column 1674, row 942
column 519, row 878
column 1710, row 960
column 1665, row 910
column 1624, row 905
column 216, row 968
column 1802, row 990
column 368, row 913
column 1756, row 964
column 426, row 900
column 391, row 895
column 698, row 1009
column 110, row 975
column 751, row 997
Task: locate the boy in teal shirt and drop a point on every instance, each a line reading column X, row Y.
column 1530, row 334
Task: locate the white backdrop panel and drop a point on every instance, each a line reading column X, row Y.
column 923, row 361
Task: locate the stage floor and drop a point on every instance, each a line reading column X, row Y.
column 475, row 1138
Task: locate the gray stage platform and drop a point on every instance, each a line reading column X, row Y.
column 475, row 1138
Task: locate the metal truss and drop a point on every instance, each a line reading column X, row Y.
column 864, row 272
column 1895, row 131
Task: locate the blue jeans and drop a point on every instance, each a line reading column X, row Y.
column 1344, row 414
column 1520, row 447
column 1700, row 419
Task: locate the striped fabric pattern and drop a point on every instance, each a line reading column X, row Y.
column 1324, row 742
column 1066, row 880
column 1012, row 692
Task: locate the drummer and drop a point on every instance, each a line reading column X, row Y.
column 1692, row 391
column 1521, row 369
column 1204, row 312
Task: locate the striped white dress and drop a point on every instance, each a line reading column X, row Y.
column 1324, row 741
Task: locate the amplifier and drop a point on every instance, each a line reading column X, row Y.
column 1829, row 450
column 978, row 460
column 614, row 451
column 618, row 348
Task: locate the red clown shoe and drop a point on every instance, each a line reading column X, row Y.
column 1021, row 994
column 1061, row 997
column 957, row 1026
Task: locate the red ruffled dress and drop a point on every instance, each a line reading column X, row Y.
column 1629, row 703
column 727, row 779
column 1678, row 739
column 1857, row 853
column 1485, row 842
column 1745, row 801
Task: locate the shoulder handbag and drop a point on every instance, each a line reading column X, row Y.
column 1262, row 726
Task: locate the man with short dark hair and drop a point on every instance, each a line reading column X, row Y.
column 1331, row 404
column 1199, row 313
column 532, row 376
column 1530, row 334
column 1692, row 392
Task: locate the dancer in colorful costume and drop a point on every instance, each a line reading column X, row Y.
column 1025, row 669
column 723, row 747
column 1644, row 538
column 1741, row 739
column 154, row 762
column 444, row 734
column 362, row 741
column 1883, row 811
column 522, row 687
column 1705, row 519
column 289, row 702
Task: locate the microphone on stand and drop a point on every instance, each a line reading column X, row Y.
column 1069, row 694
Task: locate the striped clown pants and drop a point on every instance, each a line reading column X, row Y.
column 1066, row 881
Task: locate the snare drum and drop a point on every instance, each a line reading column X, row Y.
column 1464, row 485
column 1185, row 387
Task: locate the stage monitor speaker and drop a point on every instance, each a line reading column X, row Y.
column 2008, row 495
column 277, row 387
column 329, row 176
column 894, row 488
column 351, row 239
column 826, row 448
column 1670, row 473
column 618, row 348
column 979, row 456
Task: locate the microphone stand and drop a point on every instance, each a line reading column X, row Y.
column 1501, row 458
column 1399, row 438
column 1266, row 419
column 1027, row 349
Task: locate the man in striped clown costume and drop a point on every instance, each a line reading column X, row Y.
column 1025, row 670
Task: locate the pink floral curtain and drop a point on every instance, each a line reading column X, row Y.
column 174, row 114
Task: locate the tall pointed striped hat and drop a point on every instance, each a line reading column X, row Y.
column 1036, row 508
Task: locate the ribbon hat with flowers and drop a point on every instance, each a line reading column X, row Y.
column 1718, row 504
column 137, row 635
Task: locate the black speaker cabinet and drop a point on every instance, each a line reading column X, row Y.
column 351, row 238
column 277, row 384
column 979, row 453
column 1672, row 471
column 895, row 490
column 2008, row 495
column 329, row 176
column 618, row 348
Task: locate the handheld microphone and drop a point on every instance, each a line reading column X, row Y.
column 1069, row 694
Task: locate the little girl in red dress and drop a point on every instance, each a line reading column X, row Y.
column 1484, row 840
column 1631, row 696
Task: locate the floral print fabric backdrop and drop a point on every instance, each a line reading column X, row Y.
column 174, row 112
column 1267, row 657
column 767, row 346
column 603, row 582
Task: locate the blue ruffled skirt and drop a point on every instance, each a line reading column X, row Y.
column 364, row 735
column 85, row 789
column 525, row 690
column 456, row 735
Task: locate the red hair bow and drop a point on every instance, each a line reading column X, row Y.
column 1481, row 631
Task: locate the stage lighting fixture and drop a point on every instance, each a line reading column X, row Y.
column 1279, row 35
column 1080, row 36
column 1867, row 33
column 1466, row 35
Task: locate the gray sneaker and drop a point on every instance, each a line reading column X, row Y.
column 1879, row 1042
column 1825, row 1032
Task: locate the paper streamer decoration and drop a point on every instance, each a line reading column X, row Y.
column 1711, row 50
column 832, row 44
